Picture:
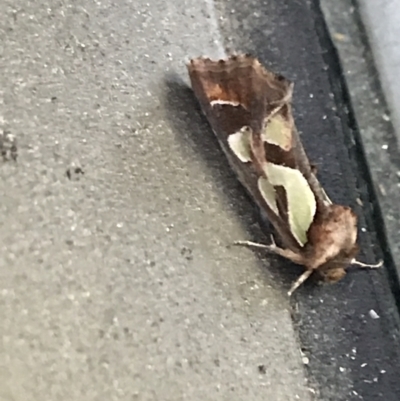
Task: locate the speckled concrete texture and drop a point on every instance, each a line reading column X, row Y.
column 115, row 279
column 382, row 24
column 352, row 354
column 366, row 78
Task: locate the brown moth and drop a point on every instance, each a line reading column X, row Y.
column 249, row 109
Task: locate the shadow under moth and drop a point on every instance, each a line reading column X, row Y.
column 249, row 109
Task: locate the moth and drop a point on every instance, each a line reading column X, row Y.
column 249, row 109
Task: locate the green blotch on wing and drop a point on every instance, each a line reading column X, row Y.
column 278, row 131
column 239, row 142
column 300, row 198
column 268, row 192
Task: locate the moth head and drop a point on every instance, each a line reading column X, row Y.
column 333, row 275
column 335, row 269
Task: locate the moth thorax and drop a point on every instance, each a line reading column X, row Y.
column 332, row 237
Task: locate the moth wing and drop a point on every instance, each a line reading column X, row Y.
column 300, row 200
column 239, row 79
column 227, row 92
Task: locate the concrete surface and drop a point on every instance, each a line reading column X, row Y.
column 116, row 283
column 374, row 106
column 376, row 141
column 367, row 77
column 351, row 355
column 382, row 23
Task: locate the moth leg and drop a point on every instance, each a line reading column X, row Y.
column 286, row 253
column 257, row 244
column 252, row 244
column 300, row 281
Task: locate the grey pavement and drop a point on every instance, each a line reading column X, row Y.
column 116, row 283
column 366, row 35
column 382, row 27
column 382, row 23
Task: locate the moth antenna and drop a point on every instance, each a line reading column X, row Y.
column 375, row 266
column 300, row 281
